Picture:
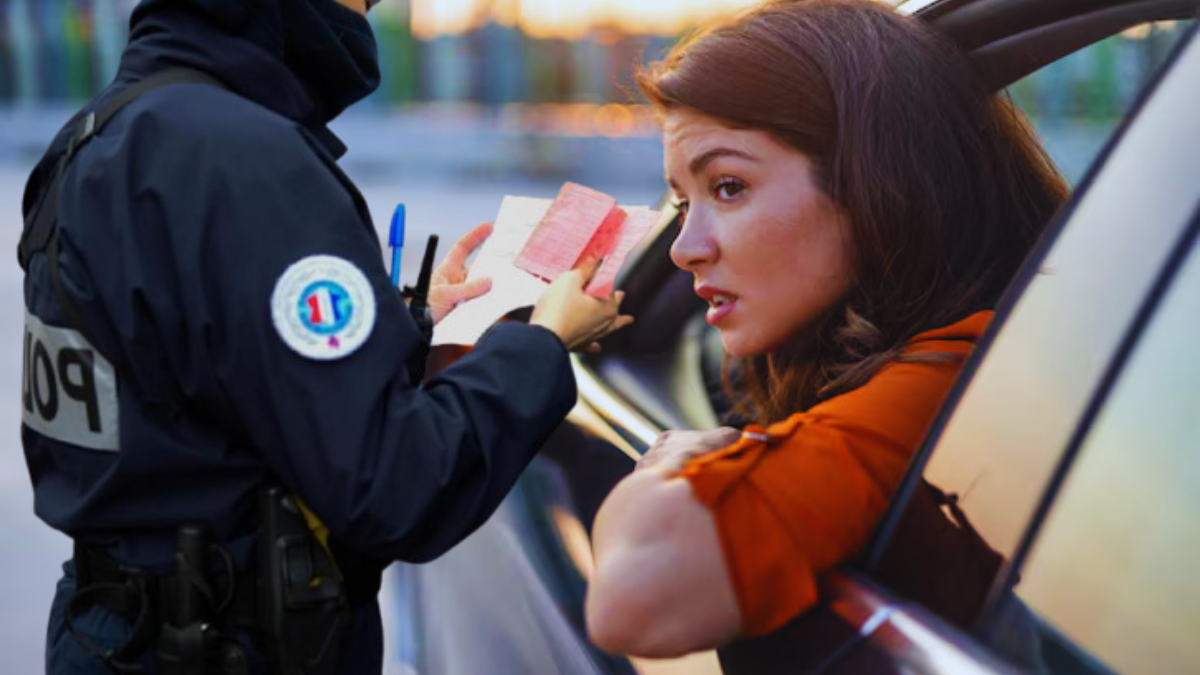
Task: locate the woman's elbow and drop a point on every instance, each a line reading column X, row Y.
column 622, row 620
column 606, row 616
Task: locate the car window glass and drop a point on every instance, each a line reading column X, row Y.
column 1112, row 576
column 1076, row 102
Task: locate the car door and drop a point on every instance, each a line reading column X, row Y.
column 1069, row 444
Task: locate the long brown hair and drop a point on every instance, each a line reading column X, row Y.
column 945, row 184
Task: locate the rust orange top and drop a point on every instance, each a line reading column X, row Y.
column 805, row 495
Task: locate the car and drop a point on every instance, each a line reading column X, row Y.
column 1069, row 446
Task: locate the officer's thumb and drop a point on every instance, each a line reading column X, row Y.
column 587, row 266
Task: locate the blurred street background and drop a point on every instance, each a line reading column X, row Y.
column 479, row 99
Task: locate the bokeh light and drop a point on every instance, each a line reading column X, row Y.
column 555, row 18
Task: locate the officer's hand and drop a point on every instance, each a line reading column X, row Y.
column 579, row 319
column 674, row 448
column 448, row 287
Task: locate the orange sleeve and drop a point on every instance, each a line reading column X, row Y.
column 792, row 507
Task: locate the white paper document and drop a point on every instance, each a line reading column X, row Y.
column 512, row 287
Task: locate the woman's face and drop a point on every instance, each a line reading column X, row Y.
column 768, row 249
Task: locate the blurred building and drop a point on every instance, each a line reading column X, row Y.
column 1098, row 83
column 500, row 72
column 446, row 69
column 399, row 54
column 552, row 71
column 593, row 81
column 61, row 52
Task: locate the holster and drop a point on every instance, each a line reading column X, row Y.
column 304, row 613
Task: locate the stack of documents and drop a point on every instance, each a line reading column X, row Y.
column 535, row 240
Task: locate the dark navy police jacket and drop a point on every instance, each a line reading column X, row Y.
column 177, row 224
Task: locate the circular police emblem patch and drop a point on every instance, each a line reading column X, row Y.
column 323, row 307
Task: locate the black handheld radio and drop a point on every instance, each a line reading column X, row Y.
column 418, row 307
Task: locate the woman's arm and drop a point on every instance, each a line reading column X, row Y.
column 661, row 587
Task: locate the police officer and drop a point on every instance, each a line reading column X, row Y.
column 208, row 313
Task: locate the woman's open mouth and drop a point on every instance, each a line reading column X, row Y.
column 719, row 306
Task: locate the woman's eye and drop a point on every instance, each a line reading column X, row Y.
column 728, row 189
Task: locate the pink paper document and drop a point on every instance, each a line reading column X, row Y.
column 582, row 223
column 637, row 224
column 578, row 217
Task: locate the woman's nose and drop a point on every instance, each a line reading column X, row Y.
column 694, row 245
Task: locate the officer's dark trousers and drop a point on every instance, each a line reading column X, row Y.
column 107, row 630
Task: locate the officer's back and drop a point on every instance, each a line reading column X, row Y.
column 210, row 314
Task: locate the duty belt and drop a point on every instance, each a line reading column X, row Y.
column 147, row 602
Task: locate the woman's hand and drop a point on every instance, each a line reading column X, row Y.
column 449, row 288
column 577, row 318
column 674, row 448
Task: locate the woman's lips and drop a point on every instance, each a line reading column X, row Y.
column 717, row 313
column 720, row 302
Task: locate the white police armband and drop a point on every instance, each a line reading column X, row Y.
column 69, row 390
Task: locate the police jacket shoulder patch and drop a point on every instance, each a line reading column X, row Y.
column 323, row 307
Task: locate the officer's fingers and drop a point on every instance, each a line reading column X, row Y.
column 612, row 307
column 619, row 323
column 470, row 290
column 609, row 327
column 466, row 245
column 446, row 274
column 593, row 333
column 586, row 348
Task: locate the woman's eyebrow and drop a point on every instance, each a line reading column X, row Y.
column 700, row 161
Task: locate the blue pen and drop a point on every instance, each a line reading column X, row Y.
column 396, row 241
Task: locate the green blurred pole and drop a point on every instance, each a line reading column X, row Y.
column 404, row 59
column 77, row 32
column 398, row 54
